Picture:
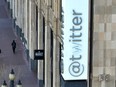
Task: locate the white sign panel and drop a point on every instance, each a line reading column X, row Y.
column 75, row 59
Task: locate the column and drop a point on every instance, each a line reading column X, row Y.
column 47, row 57
column 40, row 46
column 13, row 9
column 30, row 6
column 25, row 18
column 56, row 67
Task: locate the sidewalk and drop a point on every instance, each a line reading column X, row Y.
column 8, row 60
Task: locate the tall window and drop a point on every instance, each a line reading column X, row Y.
column 43, row 48
column 51, row 55
column 44, row 33
column 51, row 3
column 37, row 26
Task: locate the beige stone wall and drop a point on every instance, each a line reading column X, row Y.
column 104, row 43
column 51, row 14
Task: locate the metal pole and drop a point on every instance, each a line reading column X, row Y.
column 11, row 83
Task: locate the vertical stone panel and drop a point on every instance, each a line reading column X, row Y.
column 47, row 58
column 105, row 17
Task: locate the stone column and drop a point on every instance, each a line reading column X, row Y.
column 13, row 8
column 30, row 9
column 27, row 25
column 22, row 17
column 47, row 57
column 56, row 68
column 40, row 45
column 25, row 21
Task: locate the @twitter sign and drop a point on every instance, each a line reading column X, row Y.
column 75, row 52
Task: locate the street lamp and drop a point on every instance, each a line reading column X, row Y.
column 19, row 84
column 4, row 84
column 12, row 77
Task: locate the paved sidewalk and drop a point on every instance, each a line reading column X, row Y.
column 8, row 60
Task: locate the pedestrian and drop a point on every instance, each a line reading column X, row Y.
column 0, row 50
column 13, row 46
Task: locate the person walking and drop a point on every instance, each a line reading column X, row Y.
column 13, row 46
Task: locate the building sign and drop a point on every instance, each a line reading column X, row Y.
column 75, row 40
column 38, row 54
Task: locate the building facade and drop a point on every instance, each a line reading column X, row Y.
column 38, row 24
column 104, row 40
